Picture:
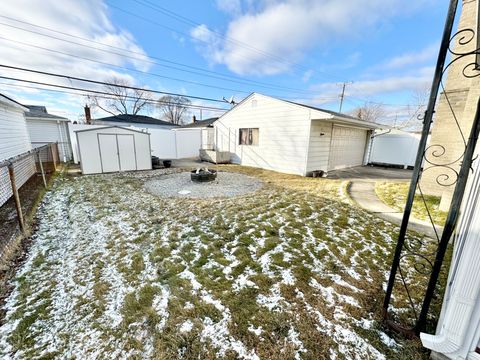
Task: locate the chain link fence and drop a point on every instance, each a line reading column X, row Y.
column 22, row 178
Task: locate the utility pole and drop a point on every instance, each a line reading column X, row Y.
column 344, row 84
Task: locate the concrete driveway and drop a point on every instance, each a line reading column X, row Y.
column 371, row 173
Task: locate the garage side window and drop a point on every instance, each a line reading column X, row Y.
column 248, row 136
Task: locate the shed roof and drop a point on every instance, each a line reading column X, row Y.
column 135, row 119
column 201, row 123
column 111, row 127
column 40, row 112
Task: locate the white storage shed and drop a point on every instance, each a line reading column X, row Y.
column 113, row 148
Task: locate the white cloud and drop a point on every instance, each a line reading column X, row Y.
column 87, row 19
column 412, row 58
column 267, row 39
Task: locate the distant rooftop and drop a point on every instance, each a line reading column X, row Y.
column 136, row 119
column 201, row 123
column 38, row 111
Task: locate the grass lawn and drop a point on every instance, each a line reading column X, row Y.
column 395, row 195
column 293, row 271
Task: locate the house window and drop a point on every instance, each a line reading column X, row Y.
column 248, row 137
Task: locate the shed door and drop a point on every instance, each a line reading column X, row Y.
column 347, row 148
column 126, row 152
column 108, row 152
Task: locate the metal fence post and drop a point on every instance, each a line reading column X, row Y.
column 41, row 169
column 16, row 197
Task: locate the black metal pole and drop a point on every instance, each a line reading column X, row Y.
column 451, row 221
column 421, row 149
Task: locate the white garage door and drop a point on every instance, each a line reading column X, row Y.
column 347, row 148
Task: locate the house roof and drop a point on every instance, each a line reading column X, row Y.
column 40, row 112
column 9, row 101
column 135, row 119
column 322, row 113
column 201, row 123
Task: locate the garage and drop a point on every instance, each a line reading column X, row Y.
column 112, row 149
column 347, row 147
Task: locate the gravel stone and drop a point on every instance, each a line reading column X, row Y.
column 227, row 184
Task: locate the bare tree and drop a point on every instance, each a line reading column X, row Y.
column 174, row 108
column 415, row 111
column 370, row 111
column 120, row 98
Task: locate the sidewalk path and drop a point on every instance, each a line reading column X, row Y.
column 363, row 193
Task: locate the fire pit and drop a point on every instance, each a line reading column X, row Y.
column 203, row 175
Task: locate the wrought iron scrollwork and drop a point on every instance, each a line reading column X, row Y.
column 417, row 261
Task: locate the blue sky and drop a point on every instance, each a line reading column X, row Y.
column 295, row 49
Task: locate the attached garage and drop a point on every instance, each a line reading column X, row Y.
column 112, row 149
column 347, row 148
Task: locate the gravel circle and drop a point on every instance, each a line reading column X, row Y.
column 227, row 184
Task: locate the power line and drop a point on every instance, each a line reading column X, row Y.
column 129, row 98
column 188, row 21
column 69, row 77
column 144, row 56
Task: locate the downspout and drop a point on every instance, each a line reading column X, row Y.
column 305, row 163
column 61, row 140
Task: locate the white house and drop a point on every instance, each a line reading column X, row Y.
column 458, row 329
column 46, row 128
column 269, row 133
column 14, row 140
column 140, row 121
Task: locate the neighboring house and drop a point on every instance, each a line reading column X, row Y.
column 46, row 128
column 394, row 147
column 458, row 329
column 139, row 121
column 14, row 140
column 14, row 136
column 206, row 124
column 284, row 136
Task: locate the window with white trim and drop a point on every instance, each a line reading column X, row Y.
column 248, row 136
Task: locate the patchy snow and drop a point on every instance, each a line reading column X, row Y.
column 257, row 331
column 108, row 262
column 187, row 326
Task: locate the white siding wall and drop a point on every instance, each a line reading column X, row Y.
column 14, row 137
column 14, row 140
column 46, row 131
column 283, row 134
column 319, row 149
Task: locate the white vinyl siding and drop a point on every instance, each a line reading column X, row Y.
column 319, row 146
column 47, row 131
column 14, row 140
column 14, row 137
column 283, row 134
column 347, row 147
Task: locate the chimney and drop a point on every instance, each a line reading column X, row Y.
column 194, row 119
column 88, row 117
